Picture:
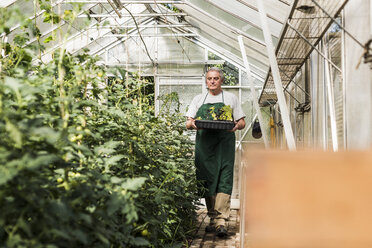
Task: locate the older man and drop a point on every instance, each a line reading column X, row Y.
column 215, row 150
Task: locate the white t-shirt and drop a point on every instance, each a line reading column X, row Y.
column 228, row 99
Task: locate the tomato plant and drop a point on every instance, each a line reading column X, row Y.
column 84, row 163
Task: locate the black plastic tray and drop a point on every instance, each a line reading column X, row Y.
column 220, row 125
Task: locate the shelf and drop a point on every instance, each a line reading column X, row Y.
column 306, row 20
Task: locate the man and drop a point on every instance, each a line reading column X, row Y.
column 215, row 150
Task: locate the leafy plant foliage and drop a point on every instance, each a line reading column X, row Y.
column 84, row 163
column 231, row 72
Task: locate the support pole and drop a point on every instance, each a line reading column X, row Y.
column 331, row 103
column 370, row 17
column 343, row 66
column 276, row 76
column 253, row 92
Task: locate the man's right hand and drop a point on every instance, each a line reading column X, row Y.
column 190, row 123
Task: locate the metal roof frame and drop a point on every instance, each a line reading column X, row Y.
column 296, row 46
column 185, row 25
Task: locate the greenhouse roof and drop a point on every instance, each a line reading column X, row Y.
column 209, row 24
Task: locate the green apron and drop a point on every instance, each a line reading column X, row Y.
column 214, row 155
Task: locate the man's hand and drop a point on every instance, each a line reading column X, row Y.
column 240, row 124
column 190, row 123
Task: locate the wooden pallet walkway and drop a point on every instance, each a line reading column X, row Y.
column 209, row 240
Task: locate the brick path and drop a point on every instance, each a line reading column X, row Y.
column 209, row 240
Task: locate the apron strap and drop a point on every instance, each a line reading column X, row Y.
column 205, row 98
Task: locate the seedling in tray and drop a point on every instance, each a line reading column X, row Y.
column 222, row 119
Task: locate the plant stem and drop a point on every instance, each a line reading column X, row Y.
column 61, row 74
column 38, row 36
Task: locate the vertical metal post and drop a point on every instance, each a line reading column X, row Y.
column 343, row 66
column 156, row 74
column 242, row 205
column 331, row 103
column 295, row 128
column 157, row 89
column 253, row 92
column 240, row 102
column 203, row 84
column 370, row 17
column 321, row 61
column 314, row 94
column 276, row 76
column 156, row 52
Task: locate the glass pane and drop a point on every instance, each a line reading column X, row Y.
column 178, row 69
column 177, row 49
column 249, row 14
column 213, row 56
column 226, row 17
column 185, row 93
column 245, row 81
column 225, row 42
column 230, row 72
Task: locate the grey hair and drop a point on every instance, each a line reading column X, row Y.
column 218, row 70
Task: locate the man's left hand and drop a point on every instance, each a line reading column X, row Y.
column 240, row 124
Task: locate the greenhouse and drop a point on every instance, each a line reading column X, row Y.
column 101, row 143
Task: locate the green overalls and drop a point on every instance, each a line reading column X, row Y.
column 214, row 155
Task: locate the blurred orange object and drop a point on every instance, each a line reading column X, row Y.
column 306, row 199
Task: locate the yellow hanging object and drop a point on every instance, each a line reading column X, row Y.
column 272, row 132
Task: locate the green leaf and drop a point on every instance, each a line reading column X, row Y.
column 60, row 171
column 7, row 173
column 60, row 209
column 113, row 204
column 50, row 17
column 41, row 160
column 14, row 134
column 46, row 133
column 102, row 238
column 86, row 218
column 81, row 236
column 58, row 233
column 51, row 246
column 12, row 83
column 134, row 183
column 107, row 148
column 47, row 17
column 114, row 159
column 24, row 226
column 138, row 241
column 116, row 112
column 116, row 180
column 49, row 39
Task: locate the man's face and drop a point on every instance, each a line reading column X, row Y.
column 214, row 80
